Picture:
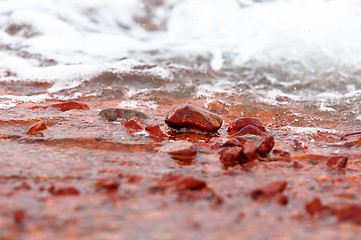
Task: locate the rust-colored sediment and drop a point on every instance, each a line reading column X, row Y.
column 75, row 175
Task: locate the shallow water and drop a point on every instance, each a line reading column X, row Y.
column 294, row 64
column 303, row 50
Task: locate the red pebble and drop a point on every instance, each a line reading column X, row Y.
column 37, row 128
column 281, row 199
column 266, row 145
column 66, row 106
column 351, row 213
column 337, row 162
column 191, row 183
column 249, row 129
column 107, row 185
column 241, row 122
column 180, row 149
column 270, row 190
column 315, row 206
column 230, row 157
column 19, row 216
column 69, row 191
column 194, row 118
column 134, row 124
column 156, row 133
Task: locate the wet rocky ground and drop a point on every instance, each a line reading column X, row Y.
column 133, row 156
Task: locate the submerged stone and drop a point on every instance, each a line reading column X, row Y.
column 112, row 114
column 194, row 118
column 156, row 133
column 180, row 149
column 337, row 162
column 242, row 122
column 37, row 128
column 134, row 124
column 66, row 106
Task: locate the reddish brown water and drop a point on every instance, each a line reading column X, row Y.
column 83, row 177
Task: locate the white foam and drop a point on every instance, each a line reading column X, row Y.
column 86, row 37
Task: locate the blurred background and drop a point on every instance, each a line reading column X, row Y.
column 305, row 51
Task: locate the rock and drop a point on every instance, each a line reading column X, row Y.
column 193, row 118
column 134, row 124
column 242, row 122
column 180, row 149
column 171, row 182
column 314, row 206
column 66, row 106
column 281, row 199
column 337, row 162
column 107, row 185
column 156, row 133
column 112, row 114
column 191, row 183
column 37, row 128
column 351, row 213
column 269, row 191
column 68, row 191
column 188, row 189
column 232, row 156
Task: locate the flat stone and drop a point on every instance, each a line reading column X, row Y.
column 71, row 105
column 230, row 157
column 194, row 118
column 337, row 162
column 112, row 114
column 180, row 149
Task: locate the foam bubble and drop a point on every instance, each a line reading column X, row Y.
column 312, row 42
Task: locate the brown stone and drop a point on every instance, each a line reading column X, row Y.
column 194, row 118
column 230, row 157
column 252, row 144
column 19, row 216
column 113, row 114
column 156, row 133
column 351, row 213
column 134, row 124
column 66, row 106
column 68, row 191
column 191, row 183
column 37, row 128
column 242, row 122
column 188, row 189
column 337, row 162
column 249, row 129
column 314, row 206
column 180, row 149
column 268, row 191
column 281, row 199
column 107, row 185
column 266, row 145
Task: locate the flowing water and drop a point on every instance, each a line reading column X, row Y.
column 306, row 51
column 296, row 64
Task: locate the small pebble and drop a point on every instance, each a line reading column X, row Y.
column 180, row 149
